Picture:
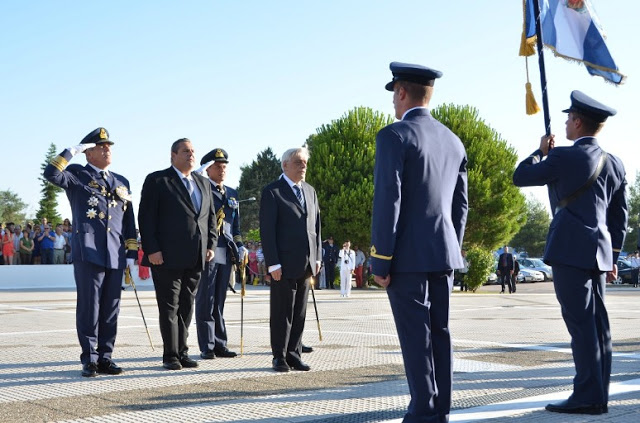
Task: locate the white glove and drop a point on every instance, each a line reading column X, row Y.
column 202, row 170
column 80, row 148
column 242, row 252
column 130, row 263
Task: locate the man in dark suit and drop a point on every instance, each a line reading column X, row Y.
column 587, row 192
column 290, row 232
column 103, row 244
column 420, row 193
column 505, row 270
column 177, row 228
column 329, row 259
column 214, row 281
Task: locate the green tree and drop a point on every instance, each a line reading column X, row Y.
column 341, row 170
column 633, row 225
column 496, row 206
column 263, row 170
column 48, row 202
column 12, row 208
column 480, row 265
column 532, row 236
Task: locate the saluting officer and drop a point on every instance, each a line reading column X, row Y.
column 103, row 244
column 212, row 289
column 420, row 193
column 587, row 192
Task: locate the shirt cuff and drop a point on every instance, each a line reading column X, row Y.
column 274, row 267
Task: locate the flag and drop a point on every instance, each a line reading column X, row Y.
column 572, row 30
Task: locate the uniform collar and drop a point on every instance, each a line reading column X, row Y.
column 412, row 109
column 97, row 169
column 586, row 140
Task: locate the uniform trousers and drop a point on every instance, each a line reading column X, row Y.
column 175, row 291
column 98, row 304
column 420, row 306
column 580, row 293
column 288, row 310
column 329, row 274
column 345, row 282
column 210, row 298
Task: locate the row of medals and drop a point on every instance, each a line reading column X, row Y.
column 93, row 200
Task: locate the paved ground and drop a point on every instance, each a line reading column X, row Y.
column 511, row 358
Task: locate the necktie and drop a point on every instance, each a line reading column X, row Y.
column 192, row 193
column 220, row 189
column 298, row 192
column 104, row 176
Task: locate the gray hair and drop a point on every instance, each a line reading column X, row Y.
column 300, row 151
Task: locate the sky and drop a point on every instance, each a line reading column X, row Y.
column 248, row 75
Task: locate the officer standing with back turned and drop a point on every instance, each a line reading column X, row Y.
column 587, row 192
column 103, row 244
column 420, row 193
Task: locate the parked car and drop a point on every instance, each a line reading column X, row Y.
column 492, row 279
column 537, row 264
column 529, row 275
column 624, row 272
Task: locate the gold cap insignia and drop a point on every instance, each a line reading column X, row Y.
column 103, row 134
column 219, row 154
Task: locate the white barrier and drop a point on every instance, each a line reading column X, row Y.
column 45, row 276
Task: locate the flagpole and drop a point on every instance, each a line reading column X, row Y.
column 543, row 75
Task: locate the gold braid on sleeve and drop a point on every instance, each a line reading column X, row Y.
column 59, row 163
column 131, row 244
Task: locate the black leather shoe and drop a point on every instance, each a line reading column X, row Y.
column 566, row 407
column 172, row 365
column 207, row 355
column 108, row 367
column 298, row 365
column 225, row 353
column 280, row 365
column 89, row 370
column 306, row 349
column 187, row 362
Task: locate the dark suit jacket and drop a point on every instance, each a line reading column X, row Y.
column 104, row 231
column 169, row 222
column 589, row 232
column 420, row 197
column 505, row 268
column 290, row 235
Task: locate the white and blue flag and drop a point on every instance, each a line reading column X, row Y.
column 572, row 30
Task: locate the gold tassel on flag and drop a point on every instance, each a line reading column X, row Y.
column 527, row 45
column 527, row 49
column 532, row 106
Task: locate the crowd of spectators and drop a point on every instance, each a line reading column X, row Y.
column 256, row 270
column 36, row 243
